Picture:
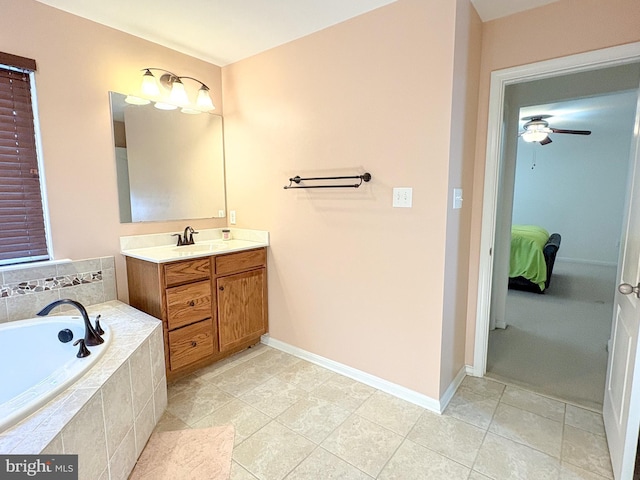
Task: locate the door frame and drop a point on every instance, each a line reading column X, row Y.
column 500, row 79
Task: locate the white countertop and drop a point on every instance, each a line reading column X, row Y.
column 161, row 248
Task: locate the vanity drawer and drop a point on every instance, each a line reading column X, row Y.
column 190, row 344
column 188, row 271
column 188, row 304
column 235, row 262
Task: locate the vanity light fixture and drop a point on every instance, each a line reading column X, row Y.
column 178, row 95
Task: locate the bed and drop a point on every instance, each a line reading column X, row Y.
column 533, row 253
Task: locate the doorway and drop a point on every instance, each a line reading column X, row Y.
column 572, row 186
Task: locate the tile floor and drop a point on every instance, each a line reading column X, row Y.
column 295, row 420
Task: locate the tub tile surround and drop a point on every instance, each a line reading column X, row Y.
column 107, row 416
column 27, row 288
column 104, row 417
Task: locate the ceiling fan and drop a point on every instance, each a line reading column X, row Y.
column 537, row 130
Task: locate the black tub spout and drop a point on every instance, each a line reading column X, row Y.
column 91, row 337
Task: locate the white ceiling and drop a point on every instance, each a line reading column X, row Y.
column 225, row 31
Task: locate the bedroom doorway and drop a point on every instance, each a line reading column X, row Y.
column 555, row 343
column 621, row 411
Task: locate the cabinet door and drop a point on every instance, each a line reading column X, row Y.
column 241, row 307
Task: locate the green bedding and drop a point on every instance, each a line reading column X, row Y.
column 527, row 258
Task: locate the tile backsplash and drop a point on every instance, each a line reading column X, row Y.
column 24, row 290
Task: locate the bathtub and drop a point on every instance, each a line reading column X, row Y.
column 37, row 365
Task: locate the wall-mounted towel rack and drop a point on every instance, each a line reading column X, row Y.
column 365, row 177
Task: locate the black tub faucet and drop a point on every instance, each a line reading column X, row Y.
column 91, row 337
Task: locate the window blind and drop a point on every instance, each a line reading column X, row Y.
column 22, row 225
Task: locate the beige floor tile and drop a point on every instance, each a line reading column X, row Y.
column 362, row 443
column 477, row 476
column 586, row 450
column 194, row 404
column 241, row 378
column 326, row 466
column 503, row 459
column 472, row 408
column 483, row 386
column 414, row 462
column 453, row 438
column 585, row 420
column 347, row 393
column 272, row 452
column 305, row 375
column 571, row 472
column 273, row 361
column 314, row 418
column 273, row 396
column 534, row 403
column 239, row 473
column 528, row 428
column 169, row 422
column 179, row 386
column 246, row 419
column 390, row 412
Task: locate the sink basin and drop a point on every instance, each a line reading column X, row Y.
column 199, row 248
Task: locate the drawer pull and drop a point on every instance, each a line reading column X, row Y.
column 192, row 303
column 194, row 344
column 221, row 288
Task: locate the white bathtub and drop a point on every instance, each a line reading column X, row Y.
column 37, row 366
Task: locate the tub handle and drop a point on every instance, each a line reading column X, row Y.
column 98, row 328
column 83, row 351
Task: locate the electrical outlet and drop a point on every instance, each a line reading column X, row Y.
column 232, row 217
column 220, row 213
column 402, row 197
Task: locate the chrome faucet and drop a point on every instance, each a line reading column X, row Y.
column 91, row 336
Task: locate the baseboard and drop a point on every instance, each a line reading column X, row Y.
column 386, row 386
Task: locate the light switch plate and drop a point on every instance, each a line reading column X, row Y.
column 232, row 217
column 402, row 197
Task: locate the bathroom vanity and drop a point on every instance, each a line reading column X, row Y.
column 211, row 298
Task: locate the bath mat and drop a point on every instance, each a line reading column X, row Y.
column 200, row 454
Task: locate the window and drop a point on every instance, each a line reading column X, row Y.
column 22, row 226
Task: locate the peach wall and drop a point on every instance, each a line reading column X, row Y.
column 566, row 27
column 461, row 160
column 351, row 278
column 79, row 62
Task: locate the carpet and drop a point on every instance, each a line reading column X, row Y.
column 556, row 343
column 198, row 454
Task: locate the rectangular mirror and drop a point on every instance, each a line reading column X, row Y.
column 170, row 165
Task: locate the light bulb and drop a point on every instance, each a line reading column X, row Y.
column 164, row 106
column 149, row 85
column 133, row 100
column 178, row 93
column 204, row 101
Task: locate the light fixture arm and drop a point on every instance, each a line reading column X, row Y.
column 173, row 77
column 178, row 95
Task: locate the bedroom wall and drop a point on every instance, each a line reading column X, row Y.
column 584, row 181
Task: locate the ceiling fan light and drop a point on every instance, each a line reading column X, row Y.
column 534, row 135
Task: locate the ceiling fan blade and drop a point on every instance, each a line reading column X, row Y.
column 573, row 132
column 545, row 141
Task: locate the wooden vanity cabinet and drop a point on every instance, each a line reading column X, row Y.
column 210, row 307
